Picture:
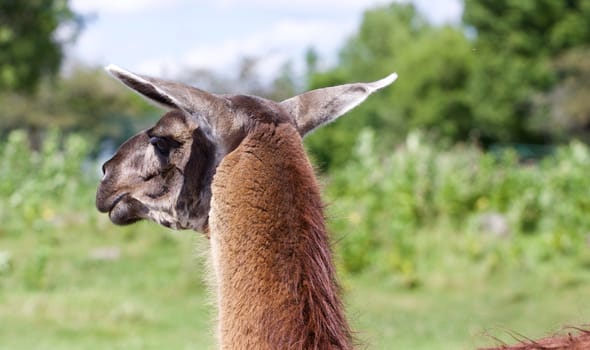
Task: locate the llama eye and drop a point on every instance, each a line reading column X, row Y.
column 161, row 144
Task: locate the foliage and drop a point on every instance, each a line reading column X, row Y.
column 32, row 36
column 514, row 71
column 86, row 101
column 516, row 41
column 434, row 66
column 388, row 200
column 249, row 79
column 34, row 181
column 529, row 28
column 564, row 111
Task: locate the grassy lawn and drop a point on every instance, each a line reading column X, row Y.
column 96, row 286
column 466, row 315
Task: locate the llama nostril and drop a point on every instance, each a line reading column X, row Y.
column 105, row 171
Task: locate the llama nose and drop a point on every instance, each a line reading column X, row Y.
column 105, row 170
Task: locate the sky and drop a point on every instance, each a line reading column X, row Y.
column 163, row 37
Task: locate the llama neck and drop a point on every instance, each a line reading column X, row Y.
column 275, row 278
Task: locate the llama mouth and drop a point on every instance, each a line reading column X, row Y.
column 116, row 201
column 126, row 210
column 105, row 203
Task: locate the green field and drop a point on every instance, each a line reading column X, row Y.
column 417, row 273
column 148, row 294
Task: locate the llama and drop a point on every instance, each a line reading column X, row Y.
column 580, row 340
column 233, row 167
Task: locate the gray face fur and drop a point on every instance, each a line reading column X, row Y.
column 164, row 174
column 145, row 179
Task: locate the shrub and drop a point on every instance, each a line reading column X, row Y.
column 381, row 203
column 44, row 188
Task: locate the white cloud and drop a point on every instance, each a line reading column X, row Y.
column 122, row 6
column 284, row 39
column 152, row 44
column 448, row 11
column 309, row 6
column 438, row 11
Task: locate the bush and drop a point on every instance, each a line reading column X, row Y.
column 396, row 213
column 381, row 203
column 45, row 188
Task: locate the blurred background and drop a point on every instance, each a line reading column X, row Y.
column 458, row 198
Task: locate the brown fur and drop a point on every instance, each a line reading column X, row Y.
column 579, row 341
column 276, row 280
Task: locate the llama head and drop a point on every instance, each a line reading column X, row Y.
column 164, row 173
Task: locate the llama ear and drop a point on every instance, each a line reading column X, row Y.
column 317, row 107
column 172, row 95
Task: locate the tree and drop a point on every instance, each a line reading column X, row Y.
column 278, row 85
column 32, row 35
column 86, row 101
column 517, row 43
column 434, row 66
column 564, row 111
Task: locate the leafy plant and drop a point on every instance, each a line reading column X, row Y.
column 384, row 203
column 45, row 188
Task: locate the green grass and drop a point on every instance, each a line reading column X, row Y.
column 465, row 313
column 458, row 301
column 53, row 295
column 151, row 297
